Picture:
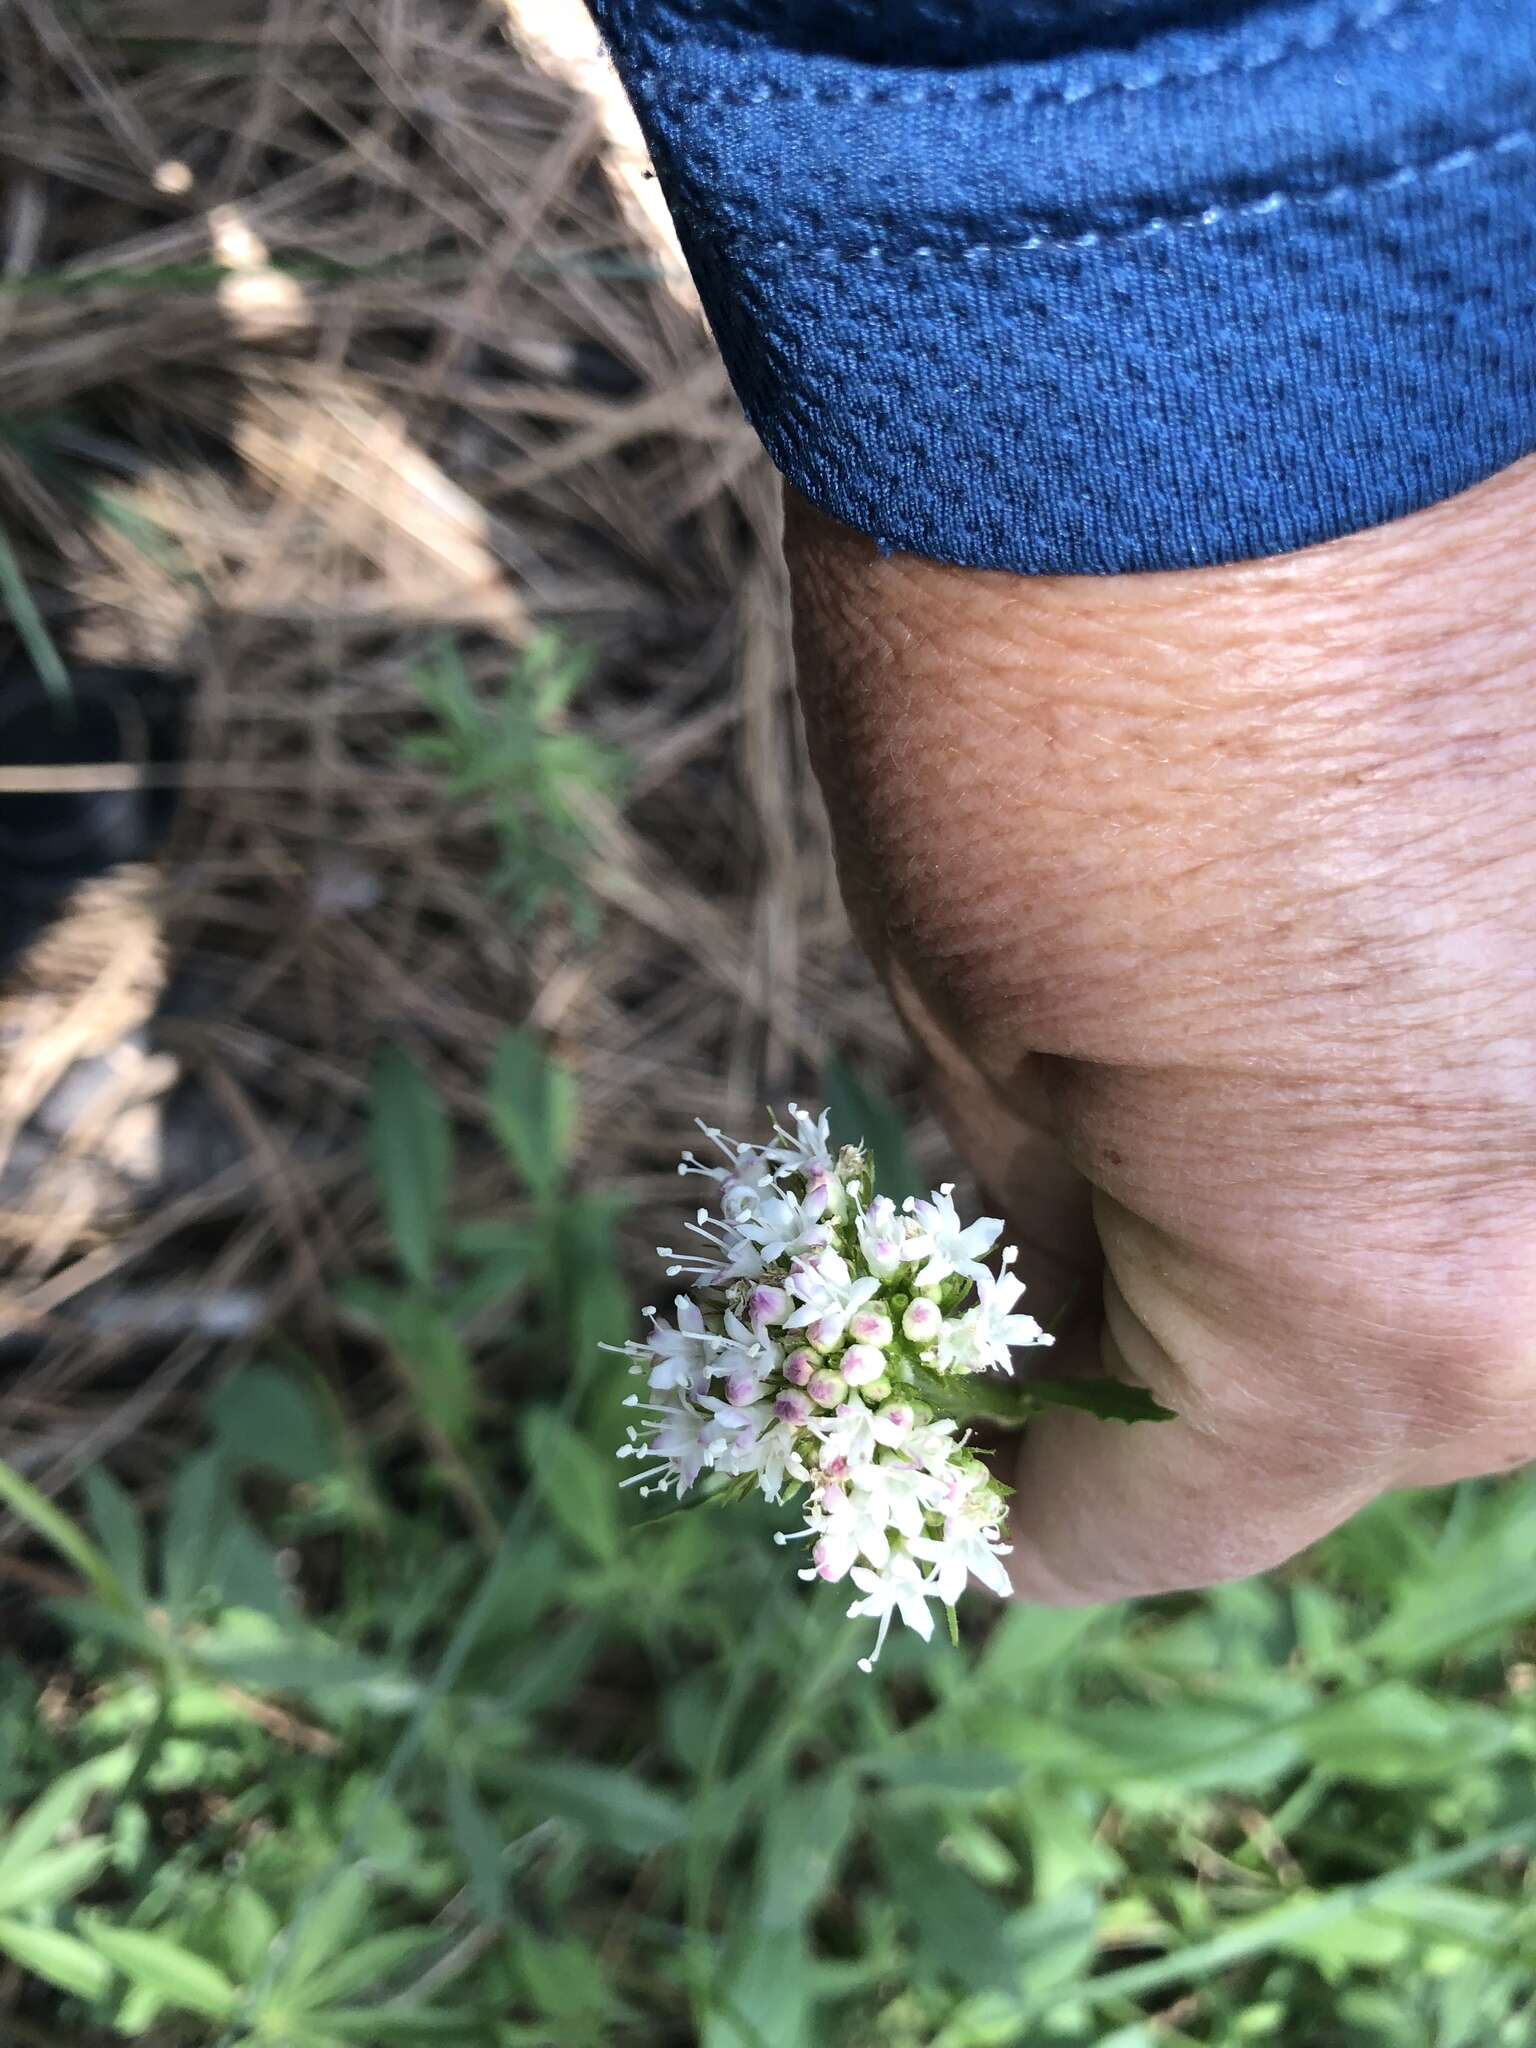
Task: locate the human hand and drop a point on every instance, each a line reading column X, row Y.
column 1213, row 897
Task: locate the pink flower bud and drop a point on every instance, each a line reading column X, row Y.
column 870, row 1326
column 923, row 1320
column 835, row 1468
column 792, row 1408
column 861, row 1363
column 826, row 1333
column 898, row 1415
column 799, row 1366
column 827, row 1388
column 877, row 1390
column 741, row 1389
column 768, row 1305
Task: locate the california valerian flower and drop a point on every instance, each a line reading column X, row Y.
column 810, row 1357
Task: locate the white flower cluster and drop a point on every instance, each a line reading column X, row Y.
column 818, row 1314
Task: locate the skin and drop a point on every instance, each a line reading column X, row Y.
column 1211, row 897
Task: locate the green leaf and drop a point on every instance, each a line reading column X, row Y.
column 120, row 1531
column 804, row 1833
column 533, row 1109
column 373, row 2023
column 264, row 1417
column 1055, row 1939
column 1114, row 1400
column 60, row 1807
column 53, row 1875
column 325, row 1931
column 861, row 1114
column 1366, row 1938
column 1463, row 1599
column 246, row 1572
column 1394, row 1734
column 66, row 1537
column 137, row 2011
column 961, row 1929
column 434, row 1358
column 313, row 1671
column 764, row 1999
column 164, row 1968
column 565, row 1981
column 478, row 1844
column 1031, row 1644
column 58, row 1958
column 973, row 1773
column 92, row 1618
column 412, row 1146
column 249, row 1928
column 576, row 1485
column 980, row 1396
column 610, row 1806
column 193, row 1530
column 595, row 1304
column 368, row 1965
column 1158, row 1753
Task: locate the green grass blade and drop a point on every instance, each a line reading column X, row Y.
column 28, row 621
column 66, row 1537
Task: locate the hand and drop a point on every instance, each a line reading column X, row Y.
column 1213, row 897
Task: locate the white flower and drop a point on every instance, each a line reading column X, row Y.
column 782, row 1224
column 828, row 1292
column 807, row 1146
column 685, row 1354
column 963, row 1552
column 883, row 1232
column 945, row 1243
column 893, row 1422
column 791, row 1363
column 979, row 1339
column 681, row 1439
column 900, row 1588
column 732, row 1440
column 848, row 1440
column 777, row 1460
column 902, row 1493
column 932, row 1446
column 994, row 1312
column 734, row 1256
column 741, row 1161
column 850, row 1523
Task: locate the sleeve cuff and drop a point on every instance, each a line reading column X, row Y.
column 1142, row 297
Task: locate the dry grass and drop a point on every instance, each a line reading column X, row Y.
column 294, row 286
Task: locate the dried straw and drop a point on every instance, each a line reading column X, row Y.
column 312, row 297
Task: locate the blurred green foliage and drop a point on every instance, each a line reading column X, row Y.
column 511, row 750
column 460, row 1743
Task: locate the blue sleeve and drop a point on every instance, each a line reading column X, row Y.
column 1098, row 285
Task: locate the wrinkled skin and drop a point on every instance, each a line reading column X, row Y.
column 1212, row 897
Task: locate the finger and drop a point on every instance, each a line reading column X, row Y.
column 1102, row 1511
column 1018, row 1160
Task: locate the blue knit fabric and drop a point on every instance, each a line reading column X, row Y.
column 1096, row 285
